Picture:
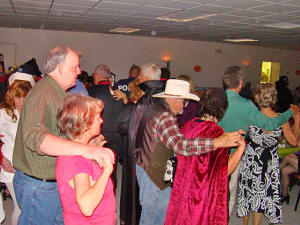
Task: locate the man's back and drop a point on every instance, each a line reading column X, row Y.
column 110, row 116
column 111, row 109
column 242, row 112
column 237, row 113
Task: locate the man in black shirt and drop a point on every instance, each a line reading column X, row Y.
column 102, row 90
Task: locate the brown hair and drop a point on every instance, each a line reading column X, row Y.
column 18, row 89
column 265, row 95
column 213, row 102
column 232, row 77
column 76, row 114
column 134, row 67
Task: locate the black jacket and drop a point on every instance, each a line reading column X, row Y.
column 110, row 115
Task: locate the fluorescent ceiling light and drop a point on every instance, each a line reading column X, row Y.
column 240, row 40
column 125, row 30
column 169, row 18
column 283, row 25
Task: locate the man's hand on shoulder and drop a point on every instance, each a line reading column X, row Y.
column 231, row 139
column 99, row 154
column 98, row 141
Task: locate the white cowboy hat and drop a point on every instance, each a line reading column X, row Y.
column 177, row 89
column 21, row 76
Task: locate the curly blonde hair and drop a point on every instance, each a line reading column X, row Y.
column 265, row 96
column 18, row 89
column 76, row 114
column 135, row 92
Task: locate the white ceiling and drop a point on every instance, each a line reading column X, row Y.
column 233, row 19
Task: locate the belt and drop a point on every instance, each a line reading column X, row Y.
column 44, row 180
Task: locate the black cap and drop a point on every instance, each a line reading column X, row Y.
column 30, row 67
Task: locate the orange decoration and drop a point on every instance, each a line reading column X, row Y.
column 246, row 63
column 197, row 68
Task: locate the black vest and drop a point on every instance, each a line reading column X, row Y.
column 151, row 154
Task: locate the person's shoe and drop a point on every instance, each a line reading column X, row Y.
column 285, row 198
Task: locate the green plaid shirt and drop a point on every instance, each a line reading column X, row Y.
column 38, row 119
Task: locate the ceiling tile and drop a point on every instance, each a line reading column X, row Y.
column 84, row 3
column 280, row 18
column 5, row 3
column 213, row 9
column 118, row 6
column 32, row 4
column 226, row 18
column 172, row 4
column 20, row 9
column 249, row 13
column 137, row 2
column 277, row 8
column 233, row 18
column 98, row 11
column 240, row 4
column 69, row 7
column 295, row 14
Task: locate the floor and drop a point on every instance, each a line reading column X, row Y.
column 290, row 217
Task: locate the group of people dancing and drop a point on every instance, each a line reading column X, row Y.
column 58, row 166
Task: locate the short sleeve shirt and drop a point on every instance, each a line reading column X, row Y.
column 66, row 168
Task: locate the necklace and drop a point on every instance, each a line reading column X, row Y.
column 208, row 117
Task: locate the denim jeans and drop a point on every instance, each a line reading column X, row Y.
column 39, row 201
column 153, row 200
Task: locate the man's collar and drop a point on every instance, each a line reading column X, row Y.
column 231, row 93
column 104, row 82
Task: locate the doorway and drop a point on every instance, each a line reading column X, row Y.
column 269, row 72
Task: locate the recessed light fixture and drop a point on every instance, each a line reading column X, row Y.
column 283, row 25
column 240, row 40
column 124, row 30
column 170, row 17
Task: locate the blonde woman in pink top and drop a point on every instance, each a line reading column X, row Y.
column 85, row 189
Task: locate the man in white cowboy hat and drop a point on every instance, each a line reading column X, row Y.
column 158, row 137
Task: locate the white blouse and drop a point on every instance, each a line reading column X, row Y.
column 8, row 128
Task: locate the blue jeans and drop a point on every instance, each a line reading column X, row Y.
column 38, row 200
column 153, row 200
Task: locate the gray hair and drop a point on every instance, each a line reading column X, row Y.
column 55, row 56
column 103, row 71
column 151, row 71
column 232, row 77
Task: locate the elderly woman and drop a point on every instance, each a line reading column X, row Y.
column 259, row 180
column 10, row 111
column 85, row 189
column 202, row 179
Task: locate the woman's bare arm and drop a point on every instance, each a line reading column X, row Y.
column 236, row 156
column 292, row 134
column 89, row 196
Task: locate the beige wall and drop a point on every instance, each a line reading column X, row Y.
column 121, row 51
